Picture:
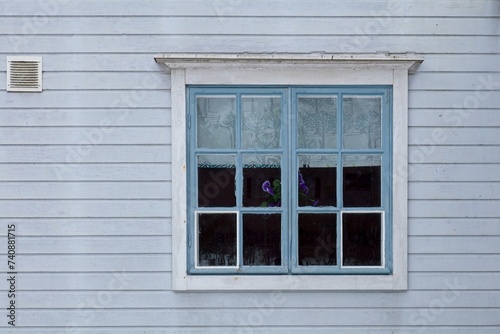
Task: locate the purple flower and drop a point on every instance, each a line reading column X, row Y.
column 266, row 186
column 315, row 202
column 302, row 184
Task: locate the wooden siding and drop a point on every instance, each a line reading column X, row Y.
column 85, row 168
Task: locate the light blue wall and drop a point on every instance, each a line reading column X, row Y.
column 85, row 165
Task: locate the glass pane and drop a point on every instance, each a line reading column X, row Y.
column 261, row 180
column 317, row 180
column 262, row 240
column 261, row 121
column 215, row 121
column 317, row 239
column 317, row 122
column 362, row 122
column 362, row 180
column 216, row 239
column 361, row 239
column 216, row 181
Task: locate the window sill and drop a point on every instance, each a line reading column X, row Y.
column 291, row 282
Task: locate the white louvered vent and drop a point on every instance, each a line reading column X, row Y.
column 24, row 74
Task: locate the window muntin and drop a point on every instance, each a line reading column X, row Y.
column 319, row 175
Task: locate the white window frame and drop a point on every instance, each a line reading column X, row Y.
column 290, row 69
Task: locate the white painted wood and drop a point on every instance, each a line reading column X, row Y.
column 454, row 226
column 467, row 100
column 233, row 44
column 91, row 245
column 280, row 330
column 86, row 190
column 455, row 190
column 171, row 318
column 91, row 226
column 447, row 8
column 100, row 80
column 85, row 208
column 455, row 136
column 77, row 117
column 286, row 330
column 207, row 68
column 85, row 135
column 454, row 245
column 81, row 263
column 168, row 299
column 454, row 262
column 179, row 181
column 241, row 25
column 85, row 172
column 96, row 54
column 85, row 153
column 453, row 118
column 454, row 154
column 454, row 208
column 140, row 97
column 475, row 172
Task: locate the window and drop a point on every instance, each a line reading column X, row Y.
column 332, row 138
column 289, row 180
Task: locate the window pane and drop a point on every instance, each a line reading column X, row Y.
column 317, row 180
column 317, row 122
column 215, row 121
column 261, row 121
column 361, row 239
column 317, row 239
column 216, row 239
column 362, row 123
column 362, row 180
column 216, row 181
column 261, row 239
column 261, row 180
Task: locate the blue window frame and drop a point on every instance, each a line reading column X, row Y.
column 289, row 179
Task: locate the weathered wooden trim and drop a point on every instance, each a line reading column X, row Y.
column 298, row 69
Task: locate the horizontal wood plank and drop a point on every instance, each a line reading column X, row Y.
column 85, row 136
column 90, row 226
column 85, row 190
column 227, row 43
column 85, row 208
column 454, row 190
column 85, row 172
column 255, row 8
column 245, row 25
column 62, row 154
column 78, row 117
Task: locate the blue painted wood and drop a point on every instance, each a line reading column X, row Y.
column 290, row 165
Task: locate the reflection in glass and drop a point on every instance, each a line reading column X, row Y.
column 317, row 122
column 362, row 180
column 262, row 239
column 216, row 239
column 216, row 122
column 317, row 239
column 362, row 122
column 261, row 180
column 216, row 180
column 261, row 121
column 361, row 239
column 317, row 180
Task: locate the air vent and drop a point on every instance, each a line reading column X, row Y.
column 24, row 74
